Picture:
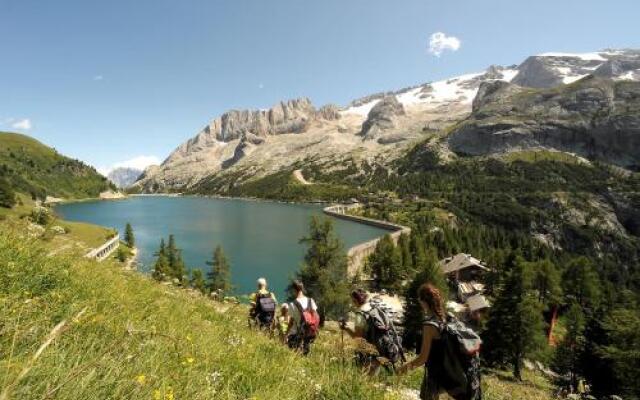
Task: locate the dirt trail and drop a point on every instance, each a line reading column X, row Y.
column 300, row 178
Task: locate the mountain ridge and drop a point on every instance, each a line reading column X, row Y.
column 249, row 144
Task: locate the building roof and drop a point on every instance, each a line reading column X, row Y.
column 460, row 261
column 477, row 302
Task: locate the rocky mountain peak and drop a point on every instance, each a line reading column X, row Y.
column 382, row 116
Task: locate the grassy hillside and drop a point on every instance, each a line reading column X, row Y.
column 73, row 329
column 31, row 167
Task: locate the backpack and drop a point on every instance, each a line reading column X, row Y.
column 382, row 334
column 265, row 308
column 460, row 374
column 309, row 320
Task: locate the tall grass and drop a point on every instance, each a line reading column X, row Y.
column 113, row 334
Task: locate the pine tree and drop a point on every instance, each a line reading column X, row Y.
column 219, row 278
column 197, row 281
column 404, row 247
column 570, row 350
column 385, row 263
column 129, row 238
column 515, row 327
column 622, row 349
column 581, row 283
column 546, row 281
column 418, row 252
column 161, row 268
column 324, row 270
column 7, row 194
column 174, row 259
column 413, row 313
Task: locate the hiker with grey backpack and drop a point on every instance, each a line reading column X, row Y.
column 373, row 324
column 450, row 352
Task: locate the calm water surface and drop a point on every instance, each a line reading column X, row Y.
column 259, row 238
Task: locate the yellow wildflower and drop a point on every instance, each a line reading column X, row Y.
column 157, row 395
column 141, row 379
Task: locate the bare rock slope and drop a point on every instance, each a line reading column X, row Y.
column 379, row 128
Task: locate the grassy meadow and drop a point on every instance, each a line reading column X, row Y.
column 71, row 328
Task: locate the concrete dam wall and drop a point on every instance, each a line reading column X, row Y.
column 359, row 253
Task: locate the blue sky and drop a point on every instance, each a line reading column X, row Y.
column 108, row 81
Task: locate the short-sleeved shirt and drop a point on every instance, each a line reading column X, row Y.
column 296, row 318
column 253, row 296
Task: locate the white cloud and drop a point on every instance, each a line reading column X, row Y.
column 98, row 78
column 23, row 124
column 440, row 42
column 139, row 162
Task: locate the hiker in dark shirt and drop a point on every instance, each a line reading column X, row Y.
column 373, row 325
column 432, row 349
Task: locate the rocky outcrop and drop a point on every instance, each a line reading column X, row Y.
column 595, row 118
column 381, row 117
column 246, row 146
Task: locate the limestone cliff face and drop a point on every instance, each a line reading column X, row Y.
column 548, row 101
column 594, row 118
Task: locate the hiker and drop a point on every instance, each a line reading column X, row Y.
column 305, row 321
column 284, row 320
column 449, row 352
column 263, row 306
column 374, row 325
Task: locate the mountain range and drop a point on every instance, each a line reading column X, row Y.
column 123, row 177
column 585, row 104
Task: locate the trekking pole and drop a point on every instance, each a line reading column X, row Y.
column 342, row 346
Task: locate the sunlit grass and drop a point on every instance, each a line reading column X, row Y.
column 126, row 337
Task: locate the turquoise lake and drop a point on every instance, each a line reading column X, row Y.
column 260, row 238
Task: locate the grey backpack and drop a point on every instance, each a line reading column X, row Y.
column 460, row 374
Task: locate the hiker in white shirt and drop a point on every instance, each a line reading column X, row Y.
column 295, row 337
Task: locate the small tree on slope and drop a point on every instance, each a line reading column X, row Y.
column 197, row 281
column 219, row 278
column 515, row 327
column 174, row 258
column 413, row 313
column 129, row 238
column 324, row 270
column 161, row 267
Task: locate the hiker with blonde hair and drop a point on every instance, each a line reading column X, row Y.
column 263, row 306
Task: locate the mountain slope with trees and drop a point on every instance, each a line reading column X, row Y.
column 28, row 166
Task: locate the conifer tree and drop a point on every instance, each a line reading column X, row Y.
column 429, row 272
column 546, row 281
column 405, row 253
column 197, row 281
column 324, row 270
column 515, row 327
column 571, row 348
column 581, row 283
column 7, row 194
column 174, row 259
column 385, row 263
column 129, row 238
column 621, row 348
column 219, row 278
column 418, row 252
column 161, row 268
